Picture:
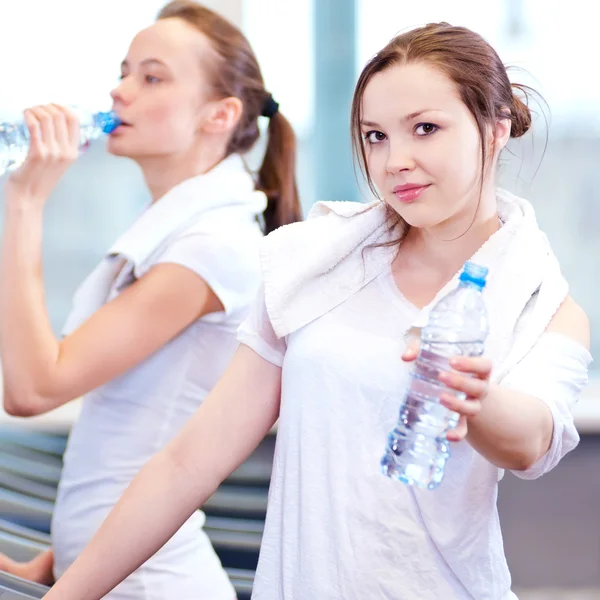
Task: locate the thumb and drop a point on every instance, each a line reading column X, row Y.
column 460, row 432
column 412, row 350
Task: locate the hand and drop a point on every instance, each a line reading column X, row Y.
column 54, row 145
column 39, row 569
column 470, row 376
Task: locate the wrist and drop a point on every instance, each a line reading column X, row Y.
column 22, row 202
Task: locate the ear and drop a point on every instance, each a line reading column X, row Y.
column 501, row 134
column 223, row 115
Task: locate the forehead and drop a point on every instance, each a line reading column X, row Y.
column 401, row 90
column 172, row 41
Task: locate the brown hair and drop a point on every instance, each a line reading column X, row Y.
column 236, row 73
column 465, row 58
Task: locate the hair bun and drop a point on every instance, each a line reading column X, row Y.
column 520, row 114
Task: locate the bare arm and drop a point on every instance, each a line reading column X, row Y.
column 228, row 426
column 41, row 372
column 514, row 430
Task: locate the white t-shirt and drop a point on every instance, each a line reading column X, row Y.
column 209, row 225
column 336, row 527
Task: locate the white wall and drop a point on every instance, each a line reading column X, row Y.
column 556, row 53
column 69, row 51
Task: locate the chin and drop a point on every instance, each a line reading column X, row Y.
column 118, row 152
column 415, row 214
column 116, row 147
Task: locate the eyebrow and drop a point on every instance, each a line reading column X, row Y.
column 146, row 62
column 404, row 119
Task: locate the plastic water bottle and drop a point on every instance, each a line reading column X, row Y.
column 417, row 448
column 14, row 137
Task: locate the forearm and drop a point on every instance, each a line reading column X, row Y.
column 513, row 430
column 28, row 347
column 152, row 509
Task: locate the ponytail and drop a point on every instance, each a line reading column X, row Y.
column 237, row 73
column 277, row 175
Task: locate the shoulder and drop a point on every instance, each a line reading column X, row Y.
column 227, row 241
column 571, row 321
column 328, row 218
column 226, row 259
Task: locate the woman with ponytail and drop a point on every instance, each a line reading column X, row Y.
column 154, row 325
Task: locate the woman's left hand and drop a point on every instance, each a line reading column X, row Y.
column 471, row 376
column 54, row 135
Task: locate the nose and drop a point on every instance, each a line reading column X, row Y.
column 125, row 92
column 400, row 157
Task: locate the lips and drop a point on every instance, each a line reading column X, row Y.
column 122, row 121
column 122, row 125
column 409, row 192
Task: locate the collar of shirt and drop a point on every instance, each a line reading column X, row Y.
column 228, row 186
column 345, row 245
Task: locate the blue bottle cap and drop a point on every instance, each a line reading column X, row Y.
column 108, row 121
column 474, row 273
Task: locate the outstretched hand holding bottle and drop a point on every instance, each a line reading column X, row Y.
column 449, row 381
column 470, row 377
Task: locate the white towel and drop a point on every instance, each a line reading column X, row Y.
column 311, row 267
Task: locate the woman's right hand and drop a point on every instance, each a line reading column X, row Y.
column 38, row 570
column 54, row 134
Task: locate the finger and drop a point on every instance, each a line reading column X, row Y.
column 74, row 128
column 61, row 131
column 36, row 146
column 48, row 136
column 459, row 432
column 468, row 408
column 478, row 366
column 411, row 351
column 474, row 388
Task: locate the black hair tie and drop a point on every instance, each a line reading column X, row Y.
column 270, row 107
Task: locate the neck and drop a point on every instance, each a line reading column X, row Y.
column 449, row 244
column 162, row 173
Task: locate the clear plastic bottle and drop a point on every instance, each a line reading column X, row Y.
column 14, row 137
column 417, row 449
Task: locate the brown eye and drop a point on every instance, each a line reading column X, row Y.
column 374, row 137
column 424, row 129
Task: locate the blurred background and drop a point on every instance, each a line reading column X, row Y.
column 311, row 52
